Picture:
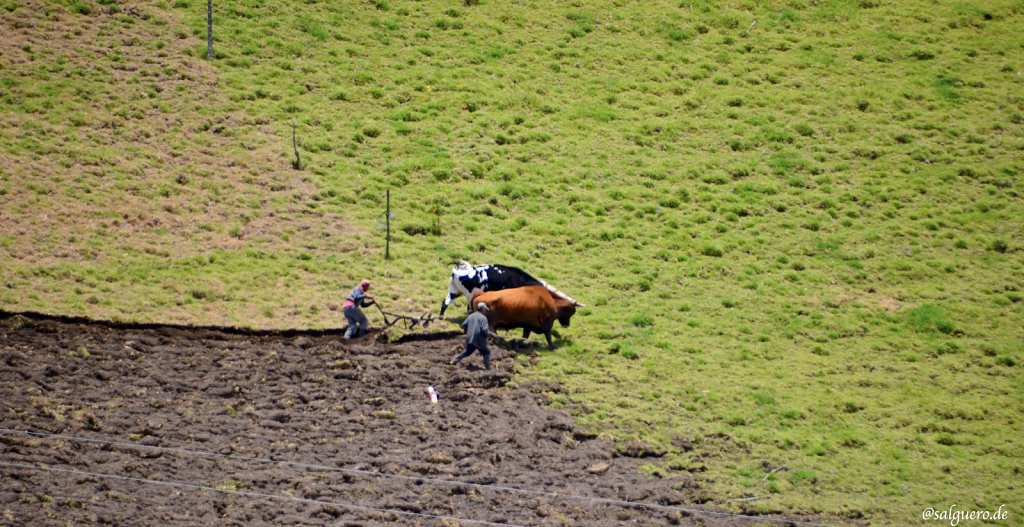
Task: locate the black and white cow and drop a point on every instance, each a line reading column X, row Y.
column 469, row 280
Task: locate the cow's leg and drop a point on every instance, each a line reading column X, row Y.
column 454, row 291
column 526, row 333
column 547, row 334
column 452, row 295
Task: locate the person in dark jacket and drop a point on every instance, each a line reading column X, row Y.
column 358, row 324
column 477, row 330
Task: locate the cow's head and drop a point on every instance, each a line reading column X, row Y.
column 565, row 312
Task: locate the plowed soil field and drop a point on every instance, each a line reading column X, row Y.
column 154, row 425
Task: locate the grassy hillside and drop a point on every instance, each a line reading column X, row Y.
column 796, row 226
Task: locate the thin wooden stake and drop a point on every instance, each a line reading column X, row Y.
column 209, row 29
column 297, row 165
column 387, row 228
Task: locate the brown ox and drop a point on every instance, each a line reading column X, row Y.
column 532, row 308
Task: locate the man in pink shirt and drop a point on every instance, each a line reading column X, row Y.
column 358, row 324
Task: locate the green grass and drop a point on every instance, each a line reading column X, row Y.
column 798, row 239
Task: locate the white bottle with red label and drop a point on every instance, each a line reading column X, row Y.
column 432, row 393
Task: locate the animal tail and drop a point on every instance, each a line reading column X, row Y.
column 559, row 294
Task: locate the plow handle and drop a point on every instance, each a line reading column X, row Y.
column 382, row 313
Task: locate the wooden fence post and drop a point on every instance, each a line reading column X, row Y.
column 387, row 224
column 209, row 29
column 297, row 164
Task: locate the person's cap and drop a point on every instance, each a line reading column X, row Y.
column 481, row 306
column 365, row 283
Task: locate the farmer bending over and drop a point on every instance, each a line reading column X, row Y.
column 358, row 325
column 477, row 331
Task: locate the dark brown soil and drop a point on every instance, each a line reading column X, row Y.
column 296, row 428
